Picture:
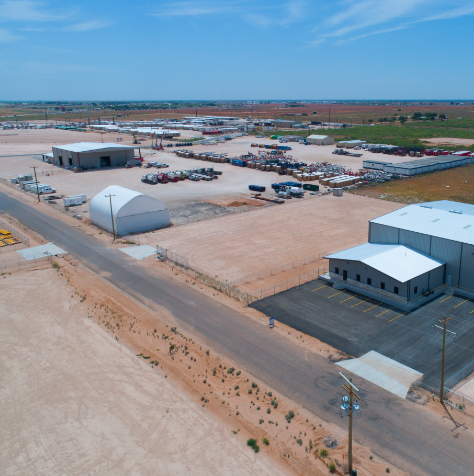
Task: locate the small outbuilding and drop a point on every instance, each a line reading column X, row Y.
column 319, row 140
column 133, row 212
column 94, row 155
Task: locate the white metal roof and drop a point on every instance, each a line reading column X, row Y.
column 352, row 141
column 315, row 136
column 444, row 219
column 397, row 261
column 125, row 202
column 92, row 146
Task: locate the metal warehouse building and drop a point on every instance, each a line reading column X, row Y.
column 319, row 140
column 92, row 155
column 420, row 166
column 413, row 254
column 132, row 211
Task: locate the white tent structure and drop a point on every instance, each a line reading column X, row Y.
column 133, row 212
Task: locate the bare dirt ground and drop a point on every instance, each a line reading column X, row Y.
column 449, row 141
column 237, row 245
column 79, row 402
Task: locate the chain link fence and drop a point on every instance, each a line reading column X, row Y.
column 182, row 264
column 285, row 285
column 459, row 401
column 17, row 264
column 272, row 271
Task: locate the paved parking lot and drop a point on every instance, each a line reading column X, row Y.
column 356, row 325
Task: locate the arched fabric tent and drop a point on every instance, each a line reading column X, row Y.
column 133, row 212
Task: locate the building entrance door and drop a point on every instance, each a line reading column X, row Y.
column 344, row 275
column 105, row 161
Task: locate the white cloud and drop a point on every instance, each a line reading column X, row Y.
column 88, row 25
column 374, row 17
column 29, row 10
column 193, row 8
column 7, row 37
column 258, row 15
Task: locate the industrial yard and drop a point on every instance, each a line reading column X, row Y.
column 245, row 250
column 256, row 218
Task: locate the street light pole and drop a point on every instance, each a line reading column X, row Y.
column 36, row 180
column 112, row 213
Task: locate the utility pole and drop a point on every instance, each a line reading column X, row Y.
column 352, row 410
column 112, row 213
column 441, row 390
column 36, row 180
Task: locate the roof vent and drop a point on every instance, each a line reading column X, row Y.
column 455, row 211
column 467, row 226
column 426, row 206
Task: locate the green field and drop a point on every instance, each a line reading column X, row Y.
column 409, row 135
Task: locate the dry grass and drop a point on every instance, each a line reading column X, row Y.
column 453, row 184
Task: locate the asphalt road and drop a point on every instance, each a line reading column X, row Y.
column 356, row 325
column 405, row 434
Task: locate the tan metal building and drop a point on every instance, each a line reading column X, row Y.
column 319, row 140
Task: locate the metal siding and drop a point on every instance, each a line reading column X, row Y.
column 422, row 283
column 383, row 234
column 416, row 241
column 467, row 267
column 449, row 252
column 431, row 220
column 436, row 277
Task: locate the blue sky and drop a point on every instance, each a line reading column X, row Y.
column 297, row 49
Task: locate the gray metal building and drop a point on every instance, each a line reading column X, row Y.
column 419, row 166
column 442, row 231
column 92, row 155
column 397, row 269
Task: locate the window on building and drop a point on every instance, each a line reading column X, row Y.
column 415, row 289
column 336, row 270
column 382, row 285
column 369, row 281
column 358, row 277
column 395, row 290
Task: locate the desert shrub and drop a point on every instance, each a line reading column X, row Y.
column 289, row 416
column 252, row 442
column 265, row 441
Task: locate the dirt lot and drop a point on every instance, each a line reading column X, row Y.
column 452, row 184
column 62, row 412
column 234, row 246
column 449, row 141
